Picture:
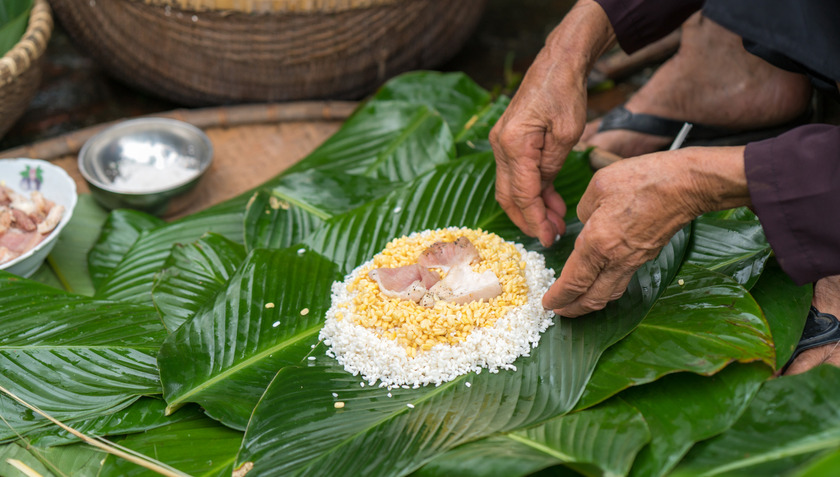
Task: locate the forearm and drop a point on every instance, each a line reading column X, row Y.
column 715, row 177
column 581, row 38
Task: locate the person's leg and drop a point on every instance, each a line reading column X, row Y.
column 826, row 300
column 711, row 80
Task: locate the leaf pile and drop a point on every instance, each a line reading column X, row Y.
column 196, row 342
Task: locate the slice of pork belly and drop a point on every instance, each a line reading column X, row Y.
column 406, row 283
column 446, row 255
column 463, row 285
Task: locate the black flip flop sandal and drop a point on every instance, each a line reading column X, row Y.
column 820, row 329
column 701, row 134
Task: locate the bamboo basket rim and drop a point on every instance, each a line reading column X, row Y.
column 31, row 46
column 270, row 6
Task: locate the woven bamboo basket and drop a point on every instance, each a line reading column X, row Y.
column 205, row 52
column 20, row 67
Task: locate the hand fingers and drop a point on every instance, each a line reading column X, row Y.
column 609, row 286
column 578, row 274
column 519, row 188
column 556, row 208
column 504, row 198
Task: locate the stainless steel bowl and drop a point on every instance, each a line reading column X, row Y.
column 143, row 163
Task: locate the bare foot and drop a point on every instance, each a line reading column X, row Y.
column 827, row 300
column 711, row 80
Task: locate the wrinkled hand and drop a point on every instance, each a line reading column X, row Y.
column 530, row 142
column 630, row 209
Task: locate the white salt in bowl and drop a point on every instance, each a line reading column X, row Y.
column 144, row 163
column 27, row 175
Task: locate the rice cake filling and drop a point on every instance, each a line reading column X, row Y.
column 419, row 328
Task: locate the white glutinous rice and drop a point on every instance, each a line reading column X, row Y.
column 377, row 356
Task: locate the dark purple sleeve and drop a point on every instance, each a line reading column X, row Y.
column 638, row 23
column 794, row 183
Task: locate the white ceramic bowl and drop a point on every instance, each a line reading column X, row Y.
column 56, row 186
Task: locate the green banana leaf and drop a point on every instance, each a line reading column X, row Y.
column 785, row 305
column 14, row 17
column 65, row 461
column 143, row 415
column 456, row 97
column 700, row 325
column 198, row 446
column 792, row 421
column 274, row 220
column 73, row 356
column 685, row 408
column 133, row 277
column 121, row 229
column 602, row 440
column 743, row 252
column 496, row 456
column 192, row 275
column 267, row 316
column 674, row 412
column 68, row 260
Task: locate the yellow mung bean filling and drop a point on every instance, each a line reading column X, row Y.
column 419, row 328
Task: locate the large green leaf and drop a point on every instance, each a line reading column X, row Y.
column 824, row 467
column 390, row 140
column 143, row 415
column 703, row 322
column 133, row 278
column 267, row 316
column 785, row 306
column 454, row 95
column 792, row 420
column 78, row 460
column 198, row 446
column 73, row 356
column 14, row 16
column 598, row 441
column 192, row 275
column 69, row 257
column 295, row 430
column 685, row 408
column 121, row 229
column 733, row 244
column 473, row 137
column 496, row 456
column 273, row 220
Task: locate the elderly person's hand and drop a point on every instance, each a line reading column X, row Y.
column 631, row 209
column 545, row 119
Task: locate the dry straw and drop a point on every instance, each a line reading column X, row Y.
column 109, row 447
column 20, row 67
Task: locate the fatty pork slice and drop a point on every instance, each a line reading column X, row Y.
column 463, row 285
column 446, row 255
column 410, row 282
